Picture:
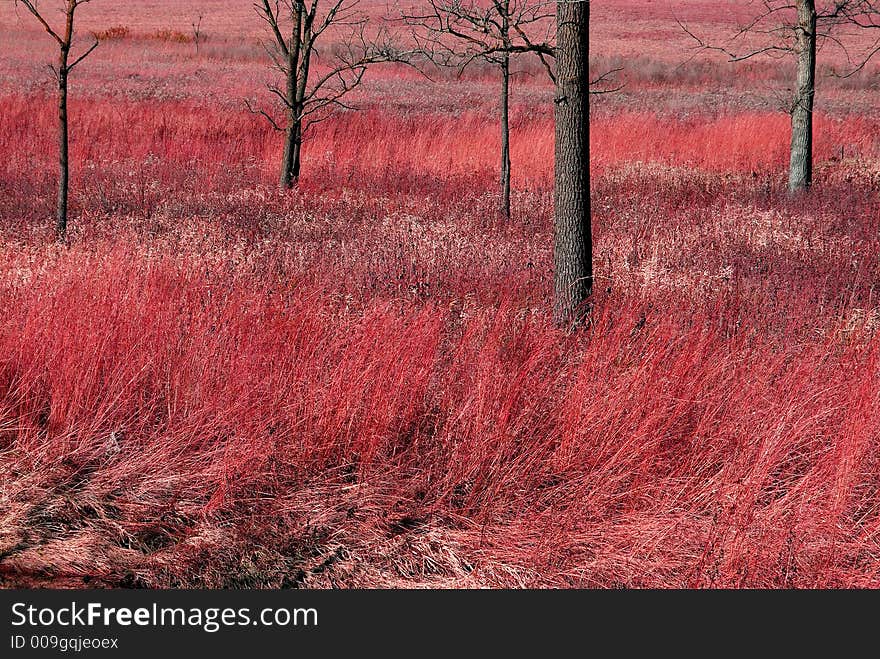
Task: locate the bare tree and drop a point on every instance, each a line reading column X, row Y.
column 573, row 244
column 198, row 35
column 66, row 63
column 296, row 27
column 458, row 32
column 799, row 28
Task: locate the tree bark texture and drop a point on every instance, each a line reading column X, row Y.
column 572, row 254
column 800, row 171
column 293, row 130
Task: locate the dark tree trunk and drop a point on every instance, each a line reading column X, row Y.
column 505, row 136
column 800, row 172
column 64, row 39
column 293, row 131
column 573, row 248
column 297, row 151
column 505, row 112
column 63, row 158
column 290, row 160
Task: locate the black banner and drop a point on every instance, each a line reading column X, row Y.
column 404, row 623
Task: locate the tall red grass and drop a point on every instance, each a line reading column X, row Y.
column 115, row 139
column 171, row 420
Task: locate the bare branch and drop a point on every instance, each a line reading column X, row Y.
column 265, row 11
column 268, row 118
column 32, row 8
column 84, row 55
column 732, row 56
column 277, row 92
column 344, row 66
column 605, row 78
column 862, row 64
column 781, row 32
column 479, row 32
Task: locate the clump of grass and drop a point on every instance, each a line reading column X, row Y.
column 173, row 36
column 115, row 33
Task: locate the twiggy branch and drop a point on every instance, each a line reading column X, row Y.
column 32, row 8
column 84, row 55
column 505, row 27
column 266, row 115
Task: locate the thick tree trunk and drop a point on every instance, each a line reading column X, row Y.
column 505, row 135
column 290, row 160
column 63, row 158
column 297, row 151
column 800, row 172
column 293, row 131
column 573, row 248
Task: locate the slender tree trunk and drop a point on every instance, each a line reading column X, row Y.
column 800, row 172
column 64, row 39
column 505, row 136
column 573, row 247
column 505, row 113
column 63, row 158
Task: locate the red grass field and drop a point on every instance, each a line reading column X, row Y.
column 357, row 384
